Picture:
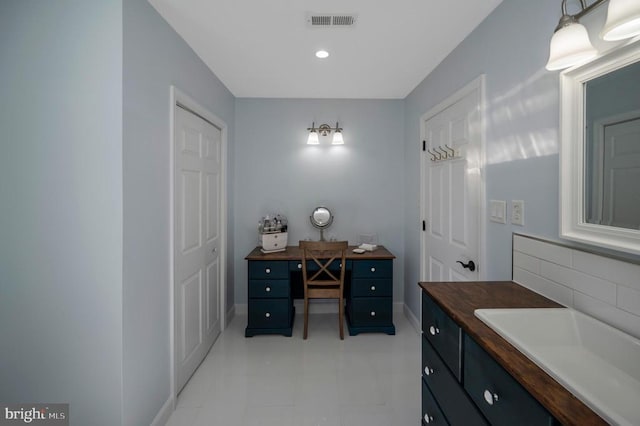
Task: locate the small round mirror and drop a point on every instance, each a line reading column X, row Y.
column 321, row 218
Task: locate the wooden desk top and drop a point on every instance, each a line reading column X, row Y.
column 294, row 253
column 460, row 299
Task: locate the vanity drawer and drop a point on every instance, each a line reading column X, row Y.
column 372, row 287
column 269, row 313
column 431, row 413
column 373, row 269
column 454, row 402
column 370, row 311
column 443, row 333
column 484, row 379
column 268, row 288
column 265, row 269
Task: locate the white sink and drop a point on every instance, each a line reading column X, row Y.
column 599, row 364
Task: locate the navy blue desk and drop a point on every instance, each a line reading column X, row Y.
column 275, row 280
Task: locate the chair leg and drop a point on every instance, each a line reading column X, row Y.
column 341, row 317
column 306, row 317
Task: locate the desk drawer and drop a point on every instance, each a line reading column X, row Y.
column 431, row 413
column 269, row 313
column 373, row 269
column 268, row 288
column 370, row 311
column 263, row 269
column 514, row 404
column 443, row 333
column 453, row 401
column 372, row 287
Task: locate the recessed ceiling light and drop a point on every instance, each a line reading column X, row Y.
column 322, row 54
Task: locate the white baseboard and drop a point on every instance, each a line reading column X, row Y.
column 163, row 415
column 415, row 322
column 231, row 313
column 241, row 309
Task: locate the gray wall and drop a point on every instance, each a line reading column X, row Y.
column 61, row 209
column 276, row 172
column 511, row 48
column 154, row 58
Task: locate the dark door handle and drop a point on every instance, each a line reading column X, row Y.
column 471, row 266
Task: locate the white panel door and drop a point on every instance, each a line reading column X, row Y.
column 621, row 174
column 451, row 191
column 197, row 213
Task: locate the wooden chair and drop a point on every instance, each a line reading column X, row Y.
column 325, row 282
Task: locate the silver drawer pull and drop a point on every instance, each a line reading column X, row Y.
column 267, row 289
column 373, row 313
column 267, row 270
column 428, row 370
column 428, row 418
column 267, row 315
column 490, row 397
column 299, row 265
column 434, row 330
column 373, row 288
column 373, row 269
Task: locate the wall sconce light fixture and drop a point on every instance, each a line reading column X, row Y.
column 570, row 44
column 324, row 130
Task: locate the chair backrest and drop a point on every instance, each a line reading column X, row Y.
column 323, row 255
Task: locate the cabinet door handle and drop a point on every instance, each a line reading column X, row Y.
column 490, row 397
column 373, row 269
column 267, row 270
column 434, row 330
column 267, row 289
column 299, row 265
column 373, row 288
column 428, row 418
column 267, row 315
column 428, row 370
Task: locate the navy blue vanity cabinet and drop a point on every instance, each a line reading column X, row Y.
column 370, row 297
column 498, row 395
column 270, row 306
column 431, row 412
column 442, row 368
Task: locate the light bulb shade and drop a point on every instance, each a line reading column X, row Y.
column 337, row 138
column 623, row 20
column 570, row 45
column 313, row 138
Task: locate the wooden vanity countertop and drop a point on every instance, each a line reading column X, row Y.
column 294, row 253
column 460, row 299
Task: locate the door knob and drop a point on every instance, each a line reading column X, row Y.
column 471, row 266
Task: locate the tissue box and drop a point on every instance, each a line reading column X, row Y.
column 273, row 242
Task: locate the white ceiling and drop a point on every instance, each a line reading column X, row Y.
column 265, row 48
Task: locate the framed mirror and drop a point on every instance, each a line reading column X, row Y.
column 321, row 218
column 600, row 151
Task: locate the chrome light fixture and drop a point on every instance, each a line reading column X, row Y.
column 324, row 130
column 570, row 44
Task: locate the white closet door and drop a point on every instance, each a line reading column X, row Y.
column 197, row 198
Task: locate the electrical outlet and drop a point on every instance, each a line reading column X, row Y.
column 517, row 212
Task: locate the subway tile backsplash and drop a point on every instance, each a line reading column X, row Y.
column 600, row 286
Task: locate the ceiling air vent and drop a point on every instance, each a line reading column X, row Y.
column 325, row 20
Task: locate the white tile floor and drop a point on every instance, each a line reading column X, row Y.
column 369, row 379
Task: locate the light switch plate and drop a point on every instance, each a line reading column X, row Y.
column 498, row 211
column 517, row 212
